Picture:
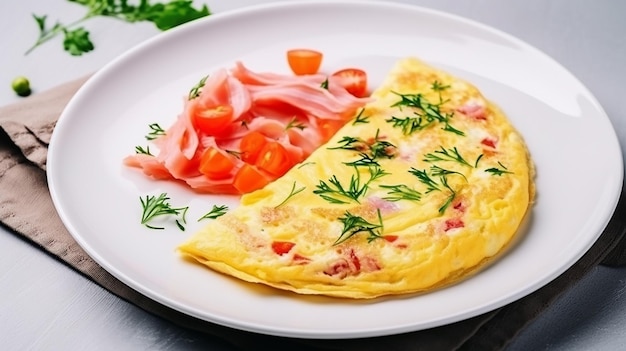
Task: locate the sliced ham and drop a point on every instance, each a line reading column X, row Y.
column 265, row 102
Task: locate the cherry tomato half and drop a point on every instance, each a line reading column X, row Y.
column 249, row 178
column 274, row 159
column 354, row 80
column 304, row 61
column 216, row 164
column 250, row 146
column 213, row 120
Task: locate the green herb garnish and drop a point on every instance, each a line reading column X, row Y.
column 432, row 185
column 498, row 171
column 335, row 192
column 294, row 123
column 216, row 211
column 324, row 84
column 156, row 131
column 427, row 113
column 444, row 182
column 140, row 150
column 76, row 38
column 360, row 118
column 446, row 155
column 425, row 179
column 197, row 89
column 355, row 224
column 154, row 206
column 401, row 192
column 293, row 192
column 437, row 171
column 375, row 148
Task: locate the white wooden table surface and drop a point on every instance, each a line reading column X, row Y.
column 46, row 306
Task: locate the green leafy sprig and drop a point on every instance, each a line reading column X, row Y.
column 292, row 193
column 335, row 192
column 498, row 171
column 144, row 151
column 155, row 131
column 401, row 192
column 360, row 119
column 195, row 91
column 432, row 185
column 155, row 206
column 355, row 224
column 446, row 155
column 76, row 39
column 425, row 113
column 215, row 212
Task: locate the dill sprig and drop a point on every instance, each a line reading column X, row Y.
column 355, row 224
column 401, row 192
column 294, row 123
column 360, row 118
column 335, row 192
column 375, row 148
column 437, row 171
column 433, row 185
column 446, row 155
column 444, row 182
column 216, row 211
column 292, row 193
column 155, row 206
column 155, row 131
column 430, row 113
column 424, row 178
column 140, row 150
column 498, row 171
column 197, row 89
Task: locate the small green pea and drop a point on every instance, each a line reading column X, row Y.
column 21, row 86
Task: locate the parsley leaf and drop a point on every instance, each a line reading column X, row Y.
column 76, row 38
column 77, row 41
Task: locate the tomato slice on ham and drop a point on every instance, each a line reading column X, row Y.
column 354, row 80
column 248, row 178
column 274, row 159
column 213, row 120
column 216, row 164
column 251, row 145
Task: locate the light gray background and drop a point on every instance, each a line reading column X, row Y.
column 45, row 305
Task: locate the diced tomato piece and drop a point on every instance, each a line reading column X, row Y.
column 454, row 223
column 248, row 178
column 216, row 164
column 282, row 247
column 251, row 145
column 213, row 120
column 390, row 238
column 304, row 61
column 489, row 142
column 328, row 127
column 274, row 159
column 354, row 80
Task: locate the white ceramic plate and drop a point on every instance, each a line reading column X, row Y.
column 578, row 159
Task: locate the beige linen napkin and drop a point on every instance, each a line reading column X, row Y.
column 27, row 210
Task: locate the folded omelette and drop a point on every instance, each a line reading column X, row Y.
column 426, row 184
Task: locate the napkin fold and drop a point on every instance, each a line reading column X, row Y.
column 26, row 209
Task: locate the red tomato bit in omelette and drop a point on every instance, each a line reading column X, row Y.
column 241, row 129
column 282, row 247
column 454, row 223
